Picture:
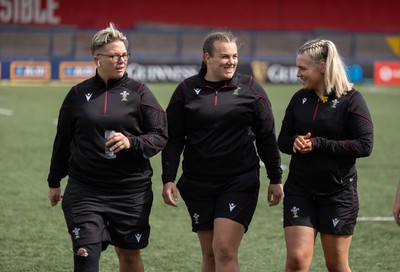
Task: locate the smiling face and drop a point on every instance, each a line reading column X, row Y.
column 221, row 65
column 109, row 69
column 310, row 74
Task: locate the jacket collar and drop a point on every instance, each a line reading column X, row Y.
column 231, row 83
column 111, row 83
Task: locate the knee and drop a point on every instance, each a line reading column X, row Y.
column 128, row 256
column 335, row 266
column 208, row 255
column 86, row 258
column 225, row 253
column 298, row 262
column 296, row 265
column 88, row 251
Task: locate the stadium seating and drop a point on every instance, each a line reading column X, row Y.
column 183, row 45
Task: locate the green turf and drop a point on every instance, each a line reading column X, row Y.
column 33, row 235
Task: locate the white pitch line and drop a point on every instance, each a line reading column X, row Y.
column 362, row 218
column 375, row 218
column 6, row 112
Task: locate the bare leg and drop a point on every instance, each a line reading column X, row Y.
column 300, row 242
column 129, row 260
column 227, row 237
column 336, row 250
column 208, row 262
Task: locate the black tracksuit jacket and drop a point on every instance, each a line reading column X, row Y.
column 217, row 127
column 90, row 108
column 341, row 131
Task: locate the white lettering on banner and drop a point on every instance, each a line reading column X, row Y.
column 34, row 71
column 385, row 73
column 84, row 71
column 388, row 73
column 161, row 73
column 278, row 73
column 29, row 12
column 6, row 11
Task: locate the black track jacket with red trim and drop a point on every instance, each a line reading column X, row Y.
column 90, row 108
column 341, row 131
column 217, row 127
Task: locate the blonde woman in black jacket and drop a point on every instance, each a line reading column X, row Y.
column 327, row 126
column 108, row 128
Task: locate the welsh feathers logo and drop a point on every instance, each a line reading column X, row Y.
column 295, row 212
column 196, row 218
column 76, row 232
column 124, row 95
column 236, row 91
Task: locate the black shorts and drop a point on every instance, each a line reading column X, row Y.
column 335, row 213
column 94, row 216
column 234, row 198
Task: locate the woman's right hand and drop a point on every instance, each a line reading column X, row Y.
column 170, row 194
column 302, row 144
column 55, row 196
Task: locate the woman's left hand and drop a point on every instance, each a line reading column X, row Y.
column 118, row 141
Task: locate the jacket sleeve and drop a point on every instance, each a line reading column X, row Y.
column 287, row 134
column 360, row 127
column 155, row 134
column 62, row 143
column 170, row 156
column 264, row 129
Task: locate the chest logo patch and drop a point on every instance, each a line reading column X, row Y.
column 124, row 95
column 88, row 96
column 236, row 91
column 304, row 100
column 334, row 103
column 197, row 90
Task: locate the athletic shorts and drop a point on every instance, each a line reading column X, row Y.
column 335, row 213
column 94, row 216
column 234, row 198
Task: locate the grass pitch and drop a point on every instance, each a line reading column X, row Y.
column 33, row 235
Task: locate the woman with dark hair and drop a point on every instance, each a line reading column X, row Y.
column 214, row 118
